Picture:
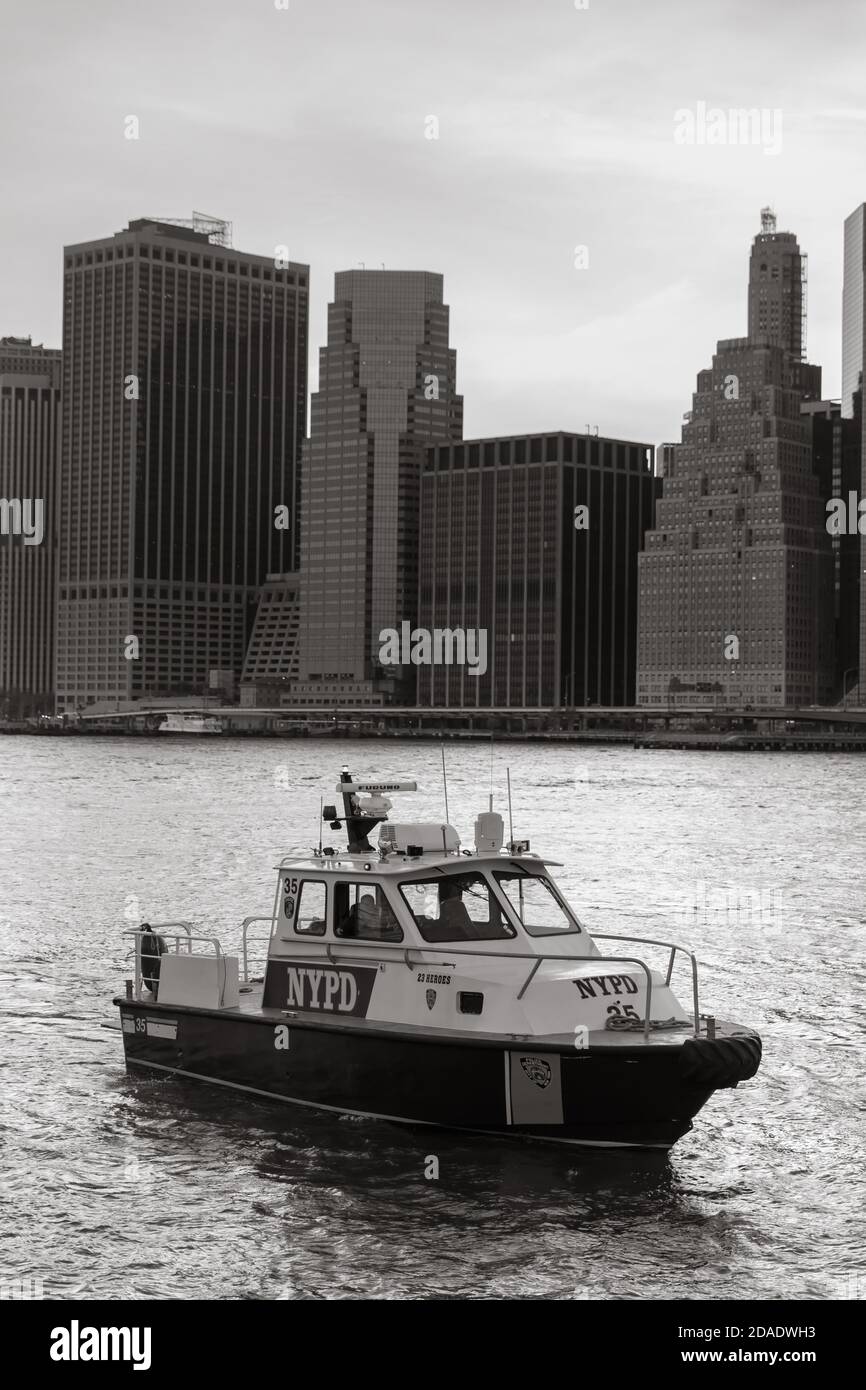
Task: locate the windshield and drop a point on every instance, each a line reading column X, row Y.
column 456, row 907
column 536, row 902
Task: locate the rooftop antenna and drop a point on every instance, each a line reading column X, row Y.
column 510, row 821
column 321, row 800
column 490, row 807
column 445, row 783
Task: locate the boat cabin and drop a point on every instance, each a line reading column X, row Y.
column 420, row 889
column 423, row 899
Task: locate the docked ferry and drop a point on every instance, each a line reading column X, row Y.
column 422, row 982
column 182, row 723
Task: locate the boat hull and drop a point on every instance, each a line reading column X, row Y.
column 623, row 1094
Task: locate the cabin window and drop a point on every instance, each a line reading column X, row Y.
column 456, row 907
column 310, row 909
column 362, row 912
column 536, row 903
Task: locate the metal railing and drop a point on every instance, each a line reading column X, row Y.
column 317, row 946
column 163, row 929
column 155, row 929
column 671, row 946
column 247, row 923
column 537, row 960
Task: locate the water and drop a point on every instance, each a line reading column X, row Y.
column 117, row 1187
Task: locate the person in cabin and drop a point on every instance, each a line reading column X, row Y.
column 371, row 918
column 376, row 920
column 367, row 915
column 454, row 920
column 152, row 948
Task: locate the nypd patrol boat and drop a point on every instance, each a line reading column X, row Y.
column 422, row 982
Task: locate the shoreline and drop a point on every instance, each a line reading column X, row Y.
column 683, row 741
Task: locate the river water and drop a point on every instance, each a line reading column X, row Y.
column 114, row 1186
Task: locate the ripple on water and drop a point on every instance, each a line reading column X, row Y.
column 125, row 1187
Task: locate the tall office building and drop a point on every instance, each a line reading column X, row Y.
column 777, row 289
column 737, row 579
column 853, row 301
column 853, row 362
column 836, row 461
column 387, row 387
column 184, row 388
column 532, row 541
column 665, row 454
column 273, row 653
column 29, row 450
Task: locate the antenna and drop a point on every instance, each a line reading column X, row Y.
column 768, row 221
column 510, row 821
column 321, row 799
column 445, row 784
column 491, row 773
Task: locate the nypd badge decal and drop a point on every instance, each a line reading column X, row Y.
column 537, row 1071
column 534, row 1095
column 431, row 998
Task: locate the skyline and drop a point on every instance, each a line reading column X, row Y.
column 563, row 136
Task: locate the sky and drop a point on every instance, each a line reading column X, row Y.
column 556, row 128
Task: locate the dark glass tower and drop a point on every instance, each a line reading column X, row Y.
column 387, row 387
column 836, row 445
column 853, row 361
column 853, row 302
column 183, row 414
column 534, row 540
column 29, row 452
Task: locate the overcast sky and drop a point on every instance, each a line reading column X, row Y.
column 308, row 127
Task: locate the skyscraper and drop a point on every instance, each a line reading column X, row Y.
column 836, row 449
column 777, row 289
column 534, row 542
column 183, row 413
column 272, row 655
column 853, row 362
column 387, row 387
column 737, row 579
column 853, row 300
column 29, row 450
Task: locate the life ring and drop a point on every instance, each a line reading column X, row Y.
column 151, row 948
